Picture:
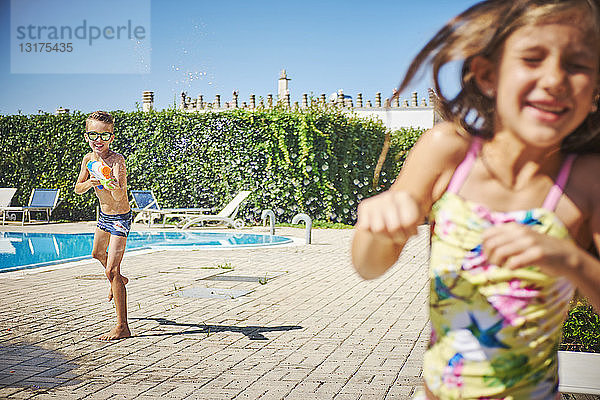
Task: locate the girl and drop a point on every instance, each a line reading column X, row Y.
column 511, row 184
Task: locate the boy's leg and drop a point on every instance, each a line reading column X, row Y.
column 116, row 249
column 101, row 240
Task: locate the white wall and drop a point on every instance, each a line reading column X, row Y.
column 404, row 117
column 393, row 118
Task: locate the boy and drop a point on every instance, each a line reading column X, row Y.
column 114, row 221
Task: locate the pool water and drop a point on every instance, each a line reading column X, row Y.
column 20, row 250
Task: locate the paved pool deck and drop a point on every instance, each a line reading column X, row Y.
column 292, row 323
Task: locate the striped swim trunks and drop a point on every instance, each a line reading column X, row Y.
column 117, row 224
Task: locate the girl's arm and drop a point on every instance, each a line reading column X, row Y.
column 584, row 268
column 386, row 221
column 517, row 246
column 586, row 274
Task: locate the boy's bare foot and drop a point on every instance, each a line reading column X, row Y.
column 110, row 294
column 118, row 332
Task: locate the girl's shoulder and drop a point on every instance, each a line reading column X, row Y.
column 588, row 160
column 432, row 161
column 447, row 133
column 583, row 192
column 446, row 145
column 584, row 177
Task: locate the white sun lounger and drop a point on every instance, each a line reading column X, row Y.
column 6, row 195
column 225, row 217
column 148, row 209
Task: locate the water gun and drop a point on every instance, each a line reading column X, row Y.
column 102, row 172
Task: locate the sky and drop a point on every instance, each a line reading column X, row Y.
column 210, row 47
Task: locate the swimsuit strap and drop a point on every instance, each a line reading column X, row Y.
column 462, row 171
column 557, row 189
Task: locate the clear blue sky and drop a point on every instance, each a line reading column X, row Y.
column 214, row 47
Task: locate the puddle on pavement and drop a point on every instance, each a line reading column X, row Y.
column 91, row 277
column 212, row 293
column 216, row 293
column 262, row 279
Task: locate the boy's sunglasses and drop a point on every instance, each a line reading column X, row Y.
column 105, row 136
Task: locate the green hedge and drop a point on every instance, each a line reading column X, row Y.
column 401, row 143
column 318, row 161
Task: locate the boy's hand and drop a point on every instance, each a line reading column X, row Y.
column 94, row 181
column 111, row 184
column 516, row 246
column 392, row 215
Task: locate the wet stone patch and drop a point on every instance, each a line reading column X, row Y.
column 212, row 293
column 91, row 277
column 262, row 279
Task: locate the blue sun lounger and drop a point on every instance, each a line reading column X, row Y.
column 43, row 200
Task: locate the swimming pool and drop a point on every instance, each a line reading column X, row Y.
column 21, row 250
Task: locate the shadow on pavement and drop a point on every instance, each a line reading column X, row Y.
column 29, row 365
column 251, row 332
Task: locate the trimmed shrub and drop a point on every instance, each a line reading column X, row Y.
column 318, row 161
column 581, row 330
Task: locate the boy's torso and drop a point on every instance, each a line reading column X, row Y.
column 108, row 204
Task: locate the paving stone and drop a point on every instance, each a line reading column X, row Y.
column 315, row 330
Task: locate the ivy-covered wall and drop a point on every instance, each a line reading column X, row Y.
column 318, row 161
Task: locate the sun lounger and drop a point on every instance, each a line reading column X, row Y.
column 148, row 209
column 225, row 217
column 6, row 195
column 145, row 205
column 39, row 200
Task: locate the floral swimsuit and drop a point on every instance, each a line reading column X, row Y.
column 495, row 331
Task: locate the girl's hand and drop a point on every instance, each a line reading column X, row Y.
column 392, row 216
column 516, row 246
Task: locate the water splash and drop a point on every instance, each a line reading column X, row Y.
column 189, row 71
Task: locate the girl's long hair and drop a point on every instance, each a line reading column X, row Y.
column 482, row 30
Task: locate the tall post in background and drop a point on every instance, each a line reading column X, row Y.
column 282, row 86
column 147, row 101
